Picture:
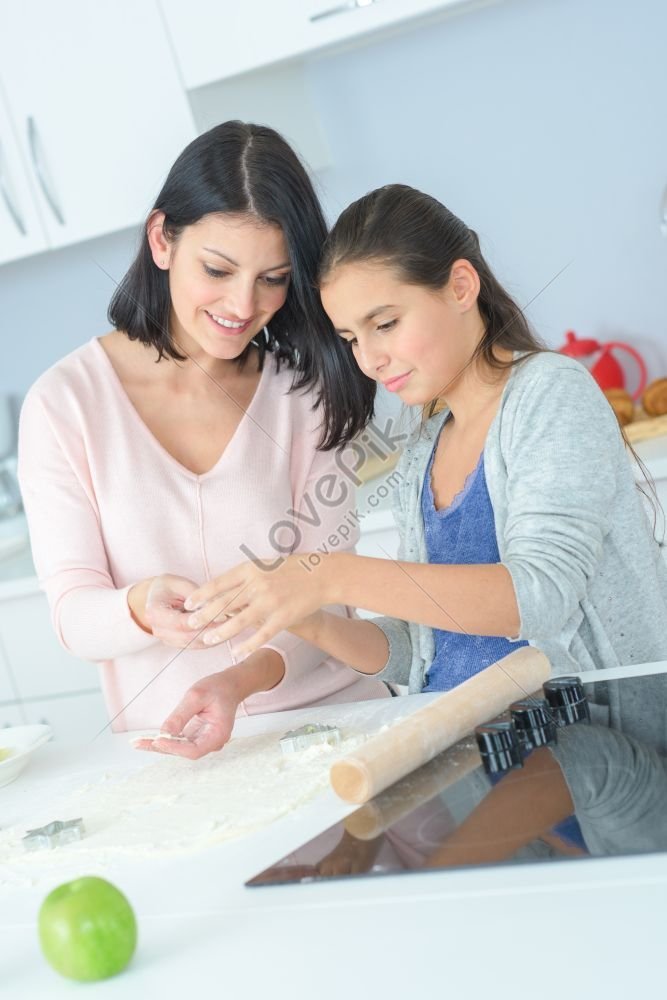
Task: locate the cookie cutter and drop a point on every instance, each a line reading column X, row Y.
column 309, row 736
column 54, row 834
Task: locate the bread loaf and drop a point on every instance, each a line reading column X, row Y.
column 621, row 403
column 654, row 399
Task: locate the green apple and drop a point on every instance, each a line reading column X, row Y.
column 87, row 929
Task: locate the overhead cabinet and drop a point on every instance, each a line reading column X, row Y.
column 95, row 115
column 97, row 100
column 21, row 230
column 214, row 40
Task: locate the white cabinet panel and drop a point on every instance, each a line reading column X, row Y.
column 244, row 36
column 21, row 231
column 98, row 109
column 77, row 719
column 7, row 690
column 11, row 715
column 39, row 664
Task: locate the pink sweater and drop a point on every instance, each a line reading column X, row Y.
column 108, row 506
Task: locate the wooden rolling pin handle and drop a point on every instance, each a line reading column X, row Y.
column 424, row 734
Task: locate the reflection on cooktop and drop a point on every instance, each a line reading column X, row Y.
column 598, row 790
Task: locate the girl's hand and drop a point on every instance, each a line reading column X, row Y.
column 165, row 615
column 268, row 600
column 205, row 715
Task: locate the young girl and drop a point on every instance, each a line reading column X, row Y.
column 519, row 518
column 153, row 457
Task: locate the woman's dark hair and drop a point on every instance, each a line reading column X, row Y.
column 243, row 169
column 420, row 239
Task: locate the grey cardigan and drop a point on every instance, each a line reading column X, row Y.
column 589, row 576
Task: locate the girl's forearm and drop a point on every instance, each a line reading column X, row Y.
column 479, row 600
column 260, row 671
column 360, row 644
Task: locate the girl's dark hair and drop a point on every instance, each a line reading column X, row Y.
column 420, row 239
column 243, row 169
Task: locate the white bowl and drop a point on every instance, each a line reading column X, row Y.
column 22, row 741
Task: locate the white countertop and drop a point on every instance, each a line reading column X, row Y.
column 653, row 454
column 590, row 928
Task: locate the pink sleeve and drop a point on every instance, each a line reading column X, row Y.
column 326, row 522
column 90, row 616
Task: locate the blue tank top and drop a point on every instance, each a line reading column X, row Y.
column 463, row 533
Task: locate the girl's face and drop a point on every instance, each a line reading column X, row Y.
column 411, row 339
column 228, row 275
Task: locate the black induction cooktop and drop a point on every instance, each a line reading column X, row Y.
column 596, row 788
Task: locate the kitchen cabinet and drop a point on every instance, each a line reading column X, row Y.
column 7, row 690
column 39, row 680
column 78, row 717
column 98, row 111
column 21, row 230
column 39, row 665
column 214, row 41
column 11, row 715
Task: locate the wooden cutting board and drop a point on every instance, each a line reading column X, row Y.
column 642, row 430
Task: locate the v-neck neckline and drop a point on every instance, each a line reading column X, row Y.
column 458, row 497
column 446, row 413
column 157, row 445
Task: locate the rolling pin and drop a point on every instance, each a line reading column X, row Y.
column 424, row 734
column 412, row 791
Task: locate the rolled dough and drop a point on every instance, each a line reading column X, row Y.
column 173, row 806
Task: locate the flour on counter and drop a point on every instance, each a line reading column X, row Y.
column 174, row 806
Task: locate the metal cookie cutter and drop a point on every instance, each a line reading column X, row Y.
column 309, row 736
column 54, row 835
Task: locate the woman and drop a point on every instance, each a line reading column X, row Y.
column 160, row 454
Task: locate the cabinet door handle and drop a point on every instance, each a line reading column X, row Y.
column 7, row 191
column 341, row 8
column 42, row 170
column 663, row 213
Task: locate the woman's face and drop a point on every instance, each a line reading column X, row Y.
column 414, row 341
column 228, row 275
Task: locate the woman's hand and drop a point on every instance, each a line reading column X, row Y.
column 205, row 715
column 165, row 615
column 261, row 598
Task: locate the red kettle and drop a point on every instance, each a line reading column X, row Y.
column 605, row 369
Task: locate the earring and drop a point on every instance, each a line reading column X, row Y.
column 267, row 336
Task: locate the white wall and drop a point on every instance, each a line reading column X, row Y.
column 540, row 122
column 543, row 124
column 53, row 302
